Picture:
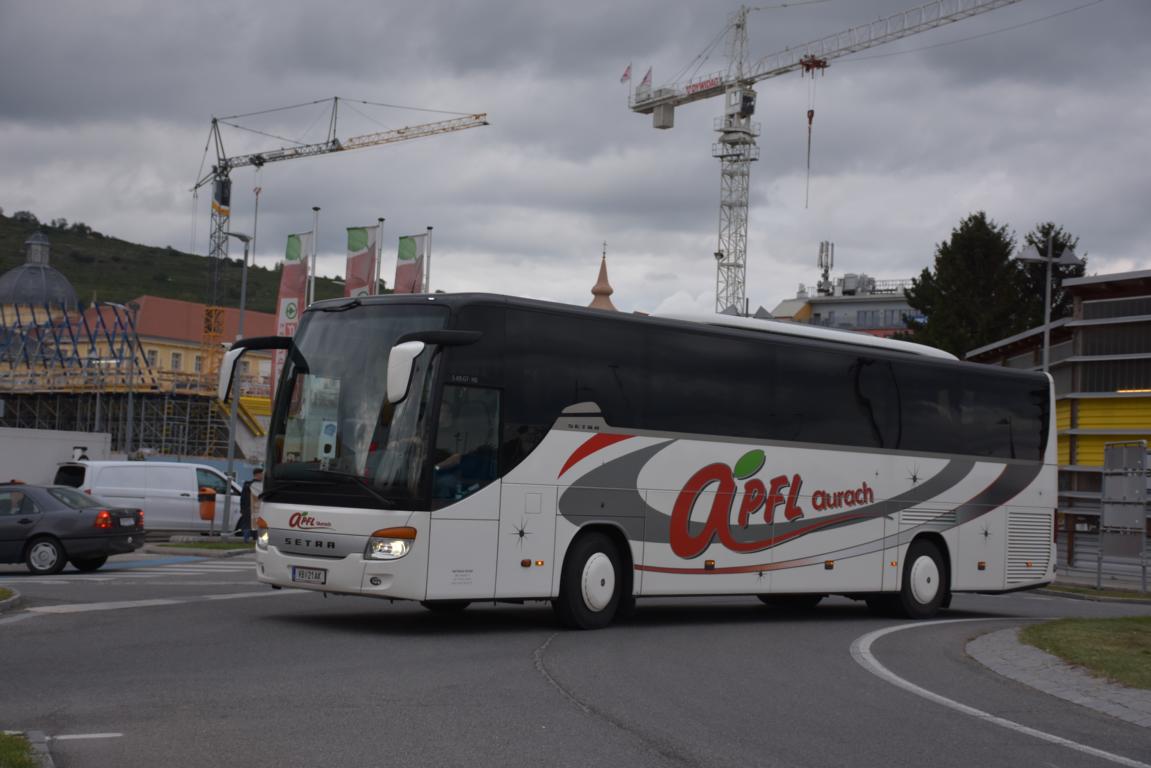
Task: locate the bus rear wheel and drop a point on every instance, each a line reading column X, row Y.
column 924, row 589
column 591, row 583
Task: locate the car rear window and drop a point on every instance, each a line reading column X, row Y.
column 73, row 499
column 71, row 475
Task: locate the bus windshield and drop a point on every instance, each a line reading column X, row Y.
column 334, row 433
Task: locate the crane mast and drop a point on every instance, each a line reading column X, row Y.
column 736, row 146
column 220, row 179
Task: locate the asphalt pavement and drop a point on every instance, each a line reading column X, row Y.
column 999, row 651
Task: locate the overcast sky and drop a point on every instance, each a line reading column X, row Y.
column 106, row 107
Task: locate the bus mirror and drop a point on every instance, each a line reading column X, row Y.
column 400, row 361
column 227, row 369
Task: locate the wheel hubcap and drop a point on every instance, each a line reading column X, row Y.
column 598, row 582
column 924, row 580
column 43, row 556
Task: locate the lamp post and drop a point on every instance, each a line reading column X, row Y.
column 1066, row 258
column 231, row 471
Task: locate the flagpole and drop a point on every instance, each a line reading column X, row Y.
column 379, row 256
column 315, row 245
column 428, row 264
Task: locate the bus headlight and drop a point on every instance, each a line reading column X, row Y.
column 261, row 533
column 390, row 543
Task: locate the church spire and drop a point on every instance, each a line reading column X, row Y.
column 602, row 289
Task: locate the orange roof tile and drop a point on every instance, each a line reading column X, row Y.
column 184, row 320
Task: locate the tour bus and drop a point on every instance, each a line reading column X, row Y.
column 448, row 449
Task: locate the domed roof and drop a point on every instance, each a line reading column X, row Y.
column 34, row 282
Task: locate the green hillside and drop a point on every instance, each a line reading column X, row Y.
column 108, row 269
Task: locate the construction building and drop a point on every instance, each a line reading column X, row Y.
column 1100, row 360
column 137, row 371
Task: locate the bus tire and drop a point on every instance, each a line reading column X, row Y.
column 445, row 606
column 591, row 583
column 924, row 588
column 791, row 603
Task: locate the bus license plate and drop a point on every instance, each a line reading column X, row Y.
column 309, row 575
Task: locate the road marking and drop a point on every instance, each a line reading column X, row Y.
column 77, row 736
column 861, row 652
column 122, row 604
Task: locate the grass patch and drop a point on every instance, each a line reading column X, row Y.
column 1117, row 649
column 16, row 752
column 5, row 593
column 1129, row 594
column 225, row 545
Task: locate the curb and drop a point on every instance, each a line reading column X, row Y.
column 39, row 742
column 1093, row 598
column 11, row 603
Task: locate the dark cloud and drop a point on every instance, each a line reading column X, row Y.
column 107, row 107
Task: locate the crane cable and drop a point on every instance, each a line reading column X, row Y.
column 810, row 119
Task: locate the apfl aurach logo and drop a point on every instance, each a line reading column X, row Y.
column 781, row 490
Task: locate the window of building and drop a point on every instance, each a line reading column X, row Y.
column 153, row 358
column 198, row 364
column 177, row 361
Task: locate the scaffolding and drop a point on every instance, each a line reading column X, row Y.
column 86, row 371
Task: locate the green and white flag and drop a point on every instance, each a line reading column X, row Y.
column 410, row 264
column 360, row 279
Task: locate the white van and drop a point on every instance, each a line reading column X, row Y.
column 167, row 492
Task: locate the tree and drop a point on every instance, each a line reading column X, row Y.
column 26, row 217
column 972, row 295
column 1034, row 274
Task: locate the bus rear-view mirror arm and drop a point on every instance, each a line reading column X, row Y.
column 236, row 351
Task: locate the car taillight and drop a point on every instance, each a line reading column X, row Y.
column 140, row 517
column 103, row 519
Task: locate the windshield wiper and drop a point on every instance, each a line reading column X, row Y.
column 340, row 307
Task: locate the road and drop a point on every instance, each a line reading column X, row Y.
column 188, row 662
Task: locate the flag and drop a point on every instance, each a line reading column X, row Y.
column 410, row 264
column 293, row 289
column 360, row 278
column 626, row 75
column 646, row 82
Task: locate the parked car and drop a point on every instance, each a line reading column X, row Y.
column 169, row 493
column 46, row 526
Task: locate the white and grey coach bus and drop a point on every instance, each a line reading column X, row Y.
column 457, row 448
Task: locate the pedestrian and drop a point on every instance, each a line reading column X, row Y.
column 249, row 500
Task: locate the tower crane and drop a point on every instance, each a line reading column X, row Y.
column 736, row 147
column 220, row 179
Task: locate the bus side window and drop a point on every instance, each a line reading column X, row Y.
column 465, row 451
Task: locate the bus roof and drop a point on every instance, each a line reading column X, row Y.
column 814, row 332
column 776, row 327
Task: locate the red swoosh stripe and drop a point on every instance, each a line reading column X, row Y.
column 593, row 444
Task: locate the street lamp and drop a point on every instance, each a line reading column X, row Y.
column 231, row 472
column 1067, row 258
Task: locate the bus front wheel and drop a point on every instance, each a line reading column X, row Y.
column 924, row 589
column 591, row 583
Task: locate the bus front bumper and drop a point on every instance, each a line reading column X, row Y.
column 401, row 579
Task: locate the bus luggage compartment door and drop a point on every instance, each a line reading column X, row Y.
column 527, row 541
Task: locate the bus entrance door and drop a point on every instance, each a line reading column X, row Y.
column 526, row 547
